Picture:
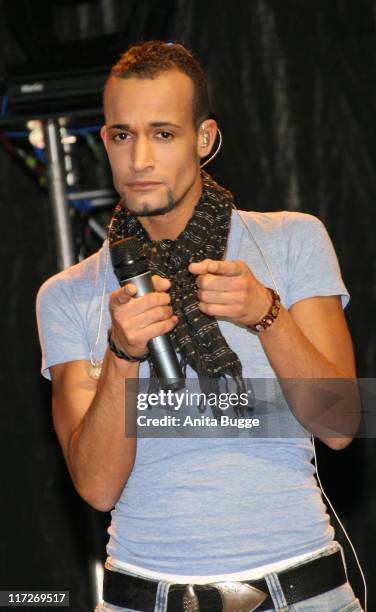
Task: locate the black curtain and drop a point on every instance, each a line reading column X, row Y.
column 292, row 86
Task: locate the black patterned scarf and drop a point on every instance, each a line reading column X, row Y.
column 196, row 337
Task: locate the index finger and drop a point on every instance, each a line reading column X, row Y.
column 214, row 266
column 160, row 283
column 123, row 294
column 126, row 292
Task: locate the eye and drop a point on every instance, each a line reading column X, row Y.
column 119, row 136
column 163, row 135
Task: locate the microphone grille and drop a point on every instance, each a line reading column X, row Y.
column 126, row 251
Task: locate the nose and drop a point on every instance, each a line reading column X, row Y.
column 142, row 154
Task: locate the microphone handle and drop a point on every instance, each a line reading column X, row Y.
column 162, row 353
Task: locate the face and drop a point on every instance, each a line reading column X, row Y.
column 151, row 142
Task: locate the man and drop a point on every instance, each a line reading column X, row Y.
column 243, row 513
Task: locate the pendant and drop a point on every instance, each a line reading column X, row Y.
column 95, row 369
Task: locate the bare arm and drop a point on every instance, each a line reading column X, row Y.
column 89, row 419
column 309, row 342
column 89, row 416
column 312, row 342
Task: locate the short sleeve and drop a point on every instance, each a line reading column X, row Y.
column 312, row 264
column 60, row 327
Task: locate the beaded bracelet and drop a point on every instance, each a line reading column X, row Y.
column 271, row 316
column 119, row 353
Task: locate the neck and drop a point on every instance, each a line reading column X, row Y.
column 171, row 224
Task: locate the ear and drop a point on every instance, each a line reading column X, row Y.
column 104, row 136
column 206, row 136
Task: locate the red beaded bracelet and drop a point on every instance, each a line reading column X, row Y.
column 271, row 316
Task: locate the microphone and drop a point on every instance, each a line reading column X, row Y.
column 131, row 266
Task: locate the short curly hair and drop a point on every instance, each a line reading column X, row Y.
column 149, row 59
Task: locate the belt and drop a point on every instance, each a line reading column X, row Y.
column 301, row 582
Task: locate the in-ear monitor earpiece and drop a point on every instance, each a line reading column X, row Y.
column 205, row 137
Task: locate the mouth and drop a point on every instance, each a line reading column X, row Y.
column 143, row 185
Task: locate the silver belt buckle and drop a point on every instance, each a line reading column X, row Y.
column 190, row 600
column 236, row 597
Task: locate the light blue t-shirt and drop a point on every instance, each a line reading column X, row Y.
column 206, row 506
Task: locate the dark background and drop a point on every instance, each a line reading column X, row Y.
column 293, row 88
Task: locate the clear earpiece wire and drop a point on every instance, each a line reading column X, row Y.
column 342, row 527
column 216, row 151
column 96, row 364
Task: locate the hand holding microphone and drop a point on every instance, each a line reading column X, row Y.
column 141, row 313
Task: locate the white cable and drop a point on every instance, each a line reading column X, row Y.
column 341, row 525
column 95, row 362
column 265, row 259
column 242, row 220
column 216, row 151
column 263, row 256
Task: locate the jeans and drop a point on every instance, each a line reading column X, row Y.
column 341, row 599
